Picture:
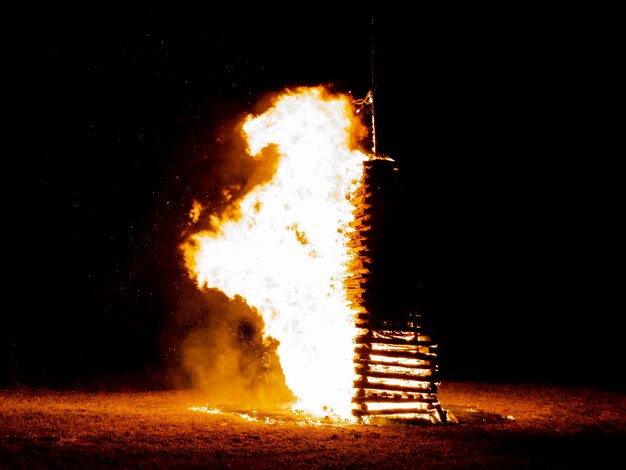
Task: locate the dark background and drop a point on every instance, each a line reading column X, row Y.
column 501, row 123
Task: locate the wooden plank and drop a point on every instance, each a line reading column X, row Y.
column 418, row 411
column 362, row 384
column 365, row 351
column 421, row 399
column 363, row 339
column 362, row 371
column 368, row 362
column 388, row 326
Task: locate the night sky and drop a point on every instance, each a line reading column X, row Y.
column 499, row 122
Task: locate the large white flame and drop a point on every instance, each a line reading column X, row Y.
column 287, row 253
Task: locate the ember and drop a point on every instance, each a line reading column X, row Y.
column 296, row 248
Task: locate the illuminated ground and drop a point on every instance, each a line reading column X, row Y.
column 500, row 426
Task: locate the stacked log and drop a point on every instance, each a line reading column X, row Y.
column 394, row 357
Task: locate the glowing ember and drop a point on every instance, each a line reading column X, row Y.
column 206, row 409
column 286, row 249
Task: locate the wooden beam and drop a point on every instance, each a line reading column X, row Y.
column 365, row 351
column 420, row 399
column 363, row 384
column 362, row 371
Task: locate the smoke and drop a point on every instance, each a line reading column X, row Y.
column 216, row 345
column 228, row 359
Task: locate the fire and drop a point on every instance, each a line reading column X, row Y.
column 284, row 246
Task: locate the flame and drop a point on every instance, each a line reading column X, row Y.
column 286, row 249
column 194, row 213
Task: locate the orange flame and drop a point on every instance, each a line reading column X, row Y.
column 286, row 252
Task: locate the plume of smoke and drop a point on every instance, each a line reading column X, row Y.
column 229, row 361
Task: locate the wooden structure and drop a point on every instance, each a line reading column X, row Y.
column 395, row 359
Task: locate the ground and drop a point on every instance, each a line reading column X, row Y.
column 499, row 426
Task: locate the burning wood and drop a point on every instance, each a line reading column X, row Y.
column 303, row 250
column 394, row 359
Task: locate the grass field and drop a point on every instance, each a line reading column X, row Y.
column 505, row 426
